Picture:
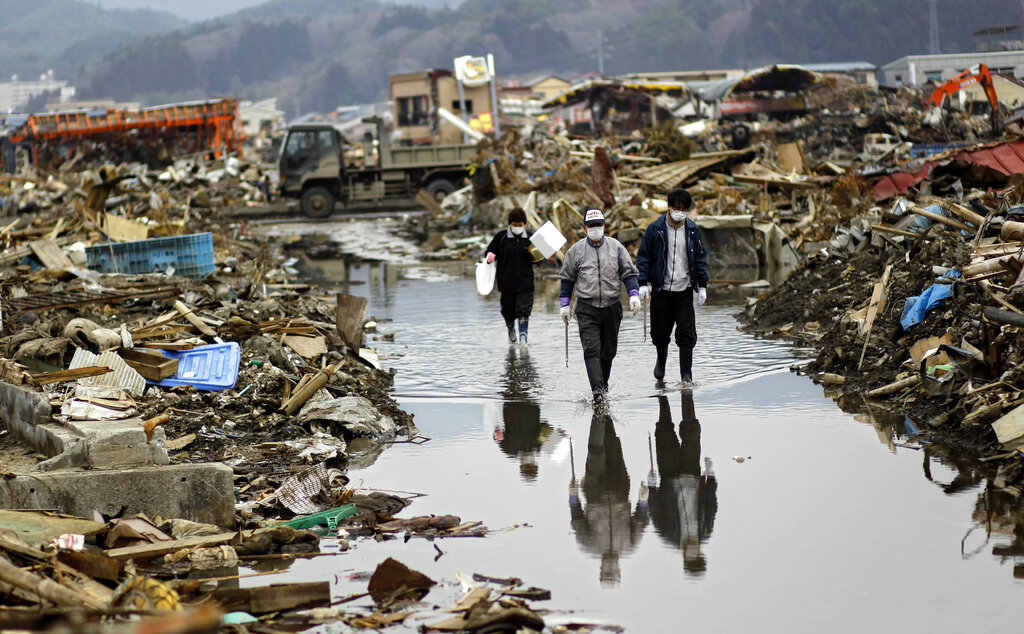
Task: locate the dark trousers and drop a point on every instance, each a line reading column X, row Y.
column 673, row 309
column 599, row 330
column 515, row 305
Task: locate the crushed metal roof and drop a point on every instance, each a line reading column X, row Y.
column 787, row 77
column 581, row 91
column 1005, row 158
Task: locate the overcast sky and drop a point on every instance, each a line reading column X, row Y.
column 194, row 10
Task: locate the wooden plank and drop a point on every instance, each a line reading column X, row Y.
column 1010, row 426
column 149, row 551
column 194, row 319
column 68, row 375
column 50, row 254
column 275, row 598
column 349, row 316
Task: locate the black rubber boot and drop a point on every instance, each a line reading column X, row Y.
column 524, row 325
column 595, row 375
column 659, row 365
column 511, row 331
column 606, row 371
column 685, row 363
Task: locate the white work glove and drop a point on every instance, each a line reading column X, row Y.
column 702, row 296
column 634, row 304
column 645, row 292
column 565, row 313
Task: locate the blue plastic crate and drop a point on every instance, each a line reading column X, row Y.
column 191, row 255
column 213, row 367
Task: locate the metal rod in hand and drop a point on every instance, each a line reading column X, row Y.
column 644, row 302
column 650, row 452
column 566, row 343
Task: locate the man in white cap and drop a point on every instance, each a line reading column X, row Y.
column 595, row 267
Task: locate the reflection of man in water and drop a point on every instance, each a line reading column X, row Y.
column 523, row 433
column 684, row 503
column 605, row 525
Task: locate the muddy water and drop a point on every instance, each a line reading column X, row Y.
column 752, row 504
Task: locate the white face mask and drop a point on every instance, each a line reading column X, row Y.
column 517, row 231
column 595, row 233
column 677, row 216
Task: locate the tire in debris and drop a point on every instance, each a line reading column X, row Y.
column 740, row 135
column 317, row 202
column 440, row 188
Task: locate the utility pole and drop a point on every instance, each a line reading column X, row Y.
column 933, row 27
column 600, row 52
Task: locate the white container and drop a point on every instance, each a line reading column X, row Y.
column 548, row 240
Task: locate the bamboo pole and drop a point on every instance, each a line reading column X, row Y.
column 892, row 388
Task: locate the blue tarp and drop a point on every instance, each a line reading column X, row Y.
column 918, row 306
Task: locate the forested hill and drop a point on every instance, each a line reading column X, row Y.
column 65, row 35
column 317, row 54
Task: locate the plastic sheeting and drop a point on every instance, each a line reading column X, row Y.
column 918, row 306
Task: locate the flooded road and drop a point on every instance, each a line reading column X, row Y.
column 754, row 504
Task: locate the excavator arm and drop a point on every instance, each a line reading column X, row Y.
column 975, row 75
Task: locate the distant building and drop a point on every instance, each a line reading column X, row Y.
column 260, row 115
column 416, row 98
column 863, row 72
column 549, row 86
column 15, row 95
column 92, row 105
column 917, row 70
column 999, row 38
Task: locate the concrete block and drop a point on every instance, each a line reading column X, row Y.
column 23, row 411
column 120, row 443
column 74, row 444
column 197, row 492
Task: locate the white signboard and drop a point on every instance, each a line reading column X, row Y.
column 472, row 71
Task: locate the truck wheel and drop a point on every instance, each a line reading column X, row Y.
column 317, row 202
column 440, row 188
column 740, row 134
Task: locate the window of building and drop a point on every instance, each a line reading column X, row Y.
column 933, row 76
column 469, row 106
column 898, row 78
column 412, row 110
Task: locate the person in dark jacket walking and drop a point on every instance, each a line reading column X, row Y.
column 509, row 249
column 595, row 268
column 673, row 260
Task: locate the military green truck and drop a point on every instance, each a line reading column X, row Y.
column 314, row 169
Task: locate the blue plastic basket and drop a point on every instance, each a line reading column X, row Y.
column 191, row 255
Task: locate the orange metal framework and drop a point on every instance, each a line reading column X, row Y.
column 216, row 123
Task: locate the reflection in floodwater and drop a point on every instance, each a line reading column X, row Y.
column 685, row 500
column 603, row 523
column 522, row 434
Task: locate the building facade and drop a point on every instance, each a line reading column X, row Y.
column 917, row 70
column 15, row 94
column 415, row 98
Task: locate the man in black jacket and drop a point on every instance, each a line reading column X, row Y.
column 672, row 258
column 510, row 250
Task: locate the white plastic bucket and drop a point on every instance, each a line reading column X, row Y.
column 547, row 239
column 485, row 274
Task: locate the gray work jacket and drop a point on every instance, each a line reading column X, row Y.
column 598, row 270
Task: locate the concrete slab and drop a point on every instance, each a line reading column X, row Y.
column 197, row 492
column 74, row 444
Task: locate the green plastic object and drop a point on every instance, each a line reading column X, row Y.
column 326, row 518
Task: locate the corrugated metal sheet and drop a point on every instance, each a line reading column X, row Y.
column 121, row 375
column 1005, row 158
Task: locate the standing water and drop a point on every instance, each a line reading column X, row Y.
column 752, row 503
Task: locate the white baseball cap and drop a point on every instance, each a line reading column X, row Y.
column 593, row 217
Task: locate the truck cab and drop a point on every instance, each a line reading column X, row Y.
column 313, row 168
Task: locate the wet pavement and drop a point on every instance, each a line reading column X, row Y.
column 754, row 503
